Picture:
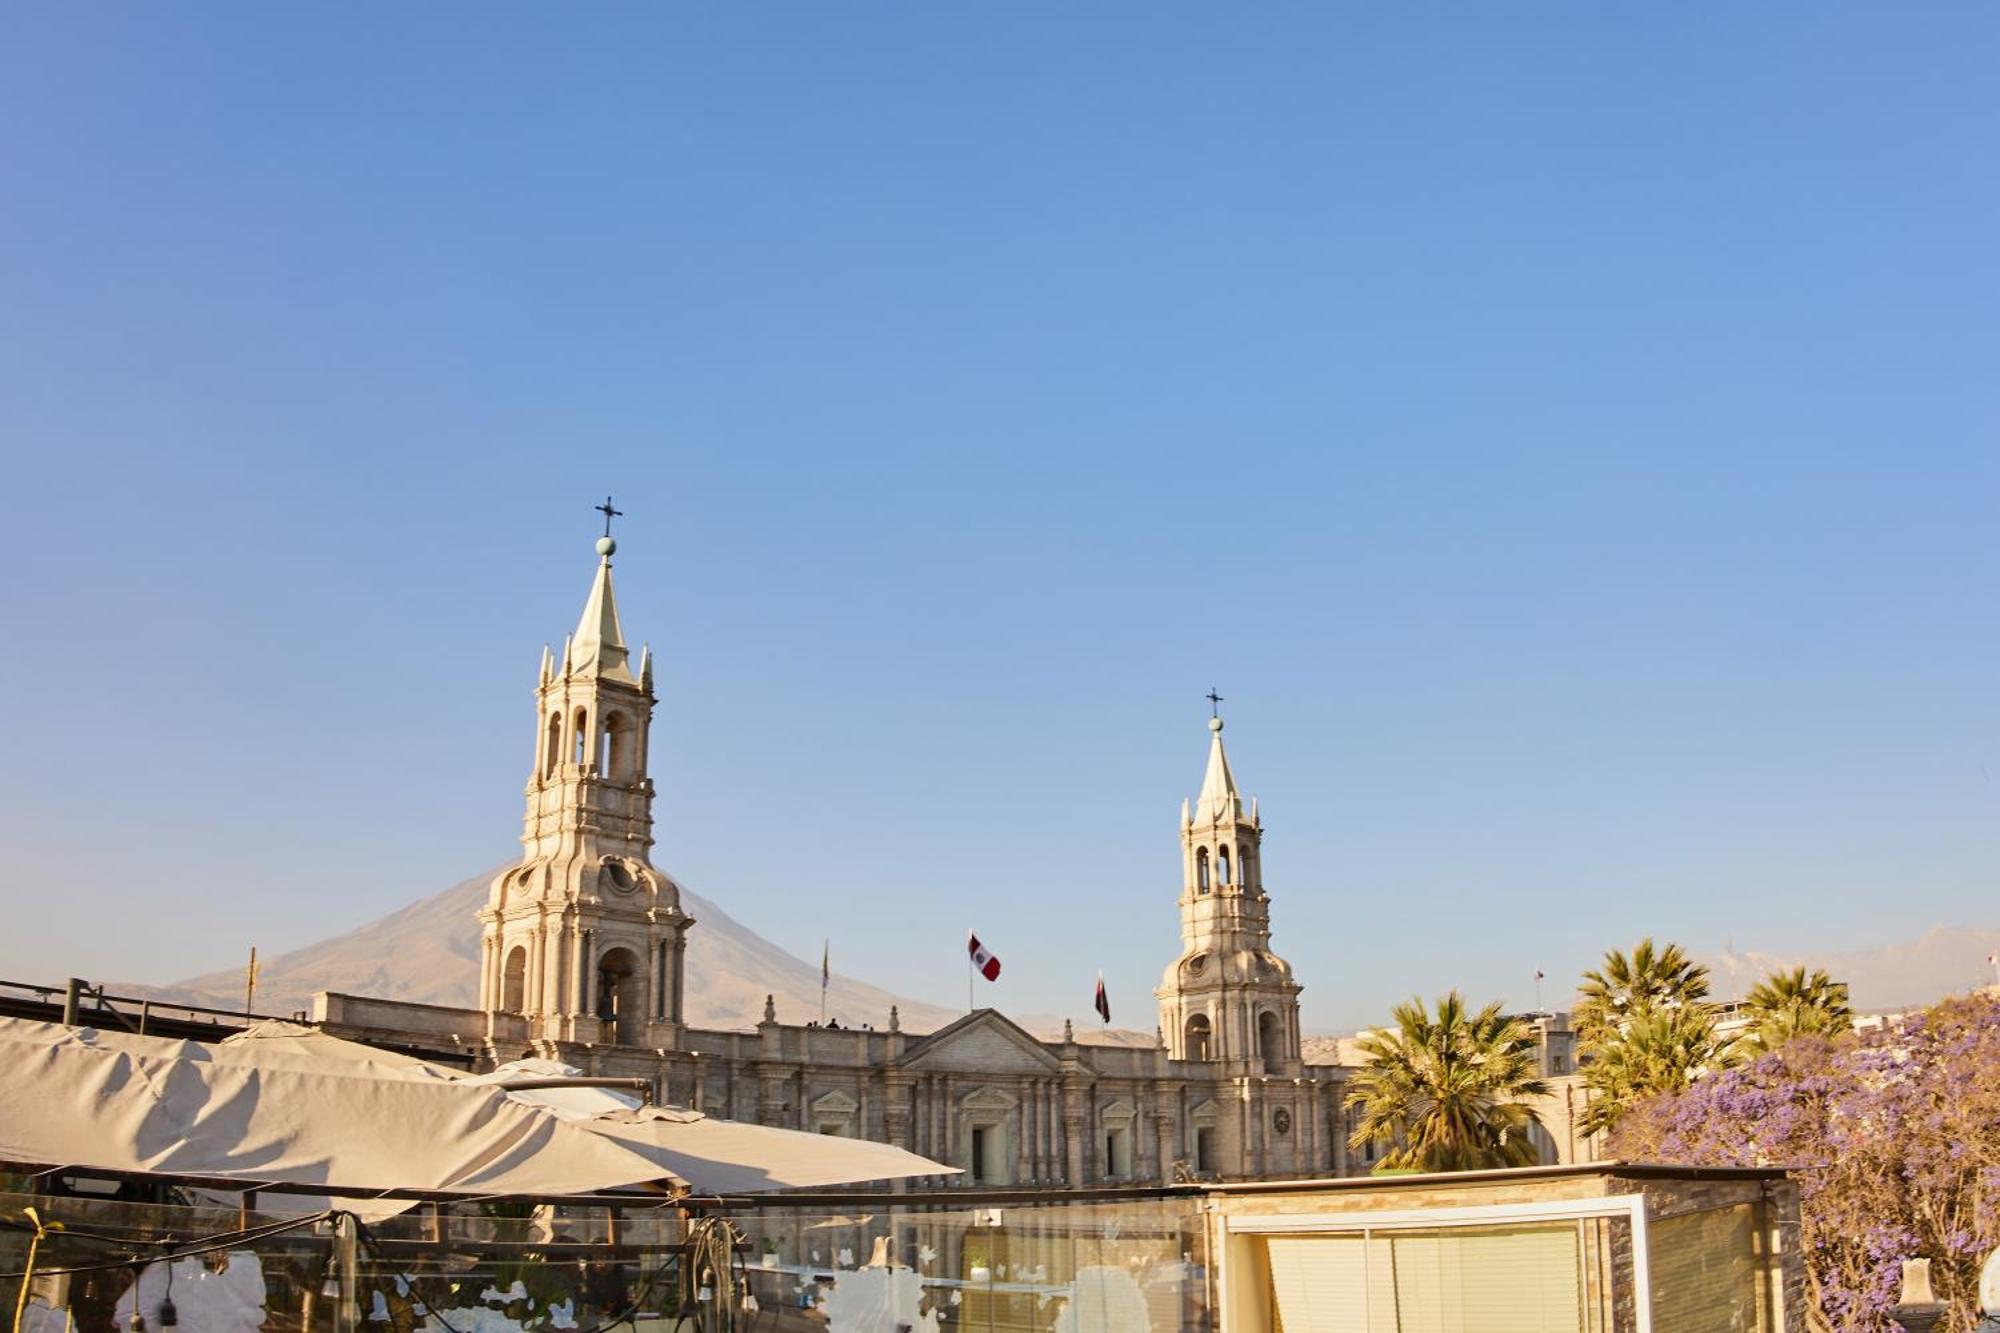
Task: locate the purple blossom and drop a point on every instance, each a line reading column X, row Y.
column 1893, row 1136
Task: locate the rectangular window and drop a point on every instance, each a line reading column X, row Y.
column 978, row 1163
column 1204, row 1149
column 1502, row 1279
column 1118, row 1152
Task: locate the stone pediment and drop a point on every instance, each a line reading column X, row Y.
column 983, row 1042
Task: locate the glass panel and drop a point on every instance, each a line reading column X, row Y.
column 1542, row 1277
column 1704, row 1271
column 1515, row 1279
column 1113, row 1267
column 1319, row 1284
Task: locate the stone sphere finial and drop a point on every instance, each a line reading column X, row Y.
column 606, row 545
column 1215, row 724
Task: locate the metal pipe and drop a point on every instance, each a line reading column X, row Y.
column 643, row 1086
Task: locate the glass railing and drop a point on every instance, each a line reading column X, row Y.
column 200, row 1264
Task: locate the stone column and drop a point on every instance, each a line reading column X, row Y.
column 656, row 994
column 897, row 1094
column 1073, row 1120
column 948, row 1127
column 536, row 982
column 575, row 988
column 1035, row 1125
column 1018, row 1127
column 486, row 972
column 678, row 1011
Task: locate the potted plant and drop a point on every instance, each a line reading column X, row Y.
column 976, row 1268
column 770, row 1256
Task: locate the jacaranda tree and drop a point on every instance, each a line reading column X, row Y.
column 1893, row 1136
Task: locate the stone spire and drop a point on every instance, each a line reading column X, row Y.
column 1218, row 799
column 598, row 646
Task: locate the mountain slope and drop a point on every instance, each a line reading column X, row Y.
column 1905, row 975
column 428, row 953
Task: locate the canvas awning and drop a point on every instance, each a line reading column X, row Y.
column 285, row 1104
column 714, row 1156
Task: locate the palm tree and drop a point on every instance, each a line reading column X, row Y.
column 1793, row 1004
column 1447, row 1092
column 1659, row 1050
column 1627, row 987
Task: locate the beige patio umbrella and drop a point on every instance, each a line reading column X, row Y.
column 76, row 1097
column 283, row 1104
column 713, row 1156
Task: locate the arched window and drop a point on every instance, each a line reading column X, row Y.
column 1196, row 1032
column 579, row 748
column 1201, row 869
column 615, row 748
column 552, row 750
column 621, row 996
column 1222, row 866
column 1271, row 1041
column 514, row 980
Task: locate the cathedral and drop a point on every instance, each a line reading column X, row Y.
column 584, row 942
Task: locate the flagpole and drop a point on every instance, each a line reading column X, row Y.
column 968, row 969
column 823, row 956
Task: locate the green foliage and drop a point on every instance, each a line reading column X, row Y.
column 1654, row 1052
column 1629, row 986
column 1644, row 1026
column 1446, row 1092
column 1792, row 1004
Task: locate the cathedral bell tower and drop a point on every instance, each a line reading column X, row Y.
column 583, row 939
column 1227, row 998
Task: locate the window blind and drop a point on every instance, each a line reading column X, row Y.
column 1509, row 1279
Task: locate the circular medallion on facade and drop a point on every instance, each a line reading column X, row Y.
column 619, row 877
column 1281, row 1120
column 1196, row 964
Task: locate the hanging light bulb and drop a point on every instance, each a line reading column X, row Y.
column 137, row 1323
column 169, row 1316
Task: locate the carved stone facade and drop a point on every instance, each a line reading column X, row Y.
column 584, row 942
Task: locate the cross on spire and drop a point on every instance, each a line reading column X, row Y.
column 609, row 514
column 1214, row 702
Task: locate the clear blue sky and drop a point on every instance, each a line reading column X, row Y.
column 1568, row 435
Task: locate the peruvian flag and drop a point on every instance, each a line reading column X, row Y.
column 1103, row 1000
column 982, row 957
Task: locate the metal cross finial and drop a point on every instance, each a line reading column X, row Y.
column 1214, row 702
column 609, row 514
